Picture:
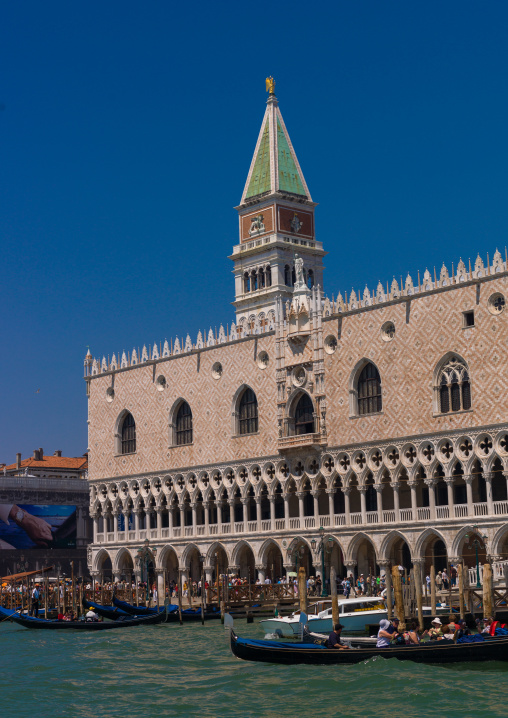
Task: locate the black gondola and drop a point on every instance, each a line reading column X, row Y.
column 113, row 613
column 122, row 622
column 494, row 649
column 188, row 614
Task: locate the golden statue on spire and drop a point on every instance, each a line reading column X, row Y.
column 270, row 85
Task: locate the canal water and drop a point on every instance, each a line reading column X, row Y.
column 189, row 671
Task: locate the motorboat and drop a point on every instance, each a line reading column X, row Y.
column 289, row 626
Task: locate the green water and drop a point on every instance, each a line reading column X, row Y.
column 189, row 671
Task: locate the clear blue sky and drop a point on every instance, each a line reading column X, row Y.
column 126, row 134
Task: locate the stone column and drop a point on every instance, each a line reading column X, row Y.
column 219, row 512
column 245, row 501
column 137, row 513
column 301, row 512
column 331, row 507
column 208, row 574
column 346, row 491
column 315, row 496
column 126, row 514
column 449, row 491
column 362, row 490
column 182, row 519
column 379, row 491
column 396, row 500
column 350, row 568
column 432, row 497
column 286, row 509
column 95, row 518
column 159, row 572
column 194, row 508
column 148, row 522
column 506, row 479
column 272, row 512
column 488, row 476
column 115, row 525
column 170, row 521
column 258, row 512
column 231, row 503
column 469, row 493
column 206, row 509
column 261, row 572
column 414, row 504
column 158, row 512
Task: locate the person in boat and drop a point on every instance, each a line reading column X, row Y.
column 91, row 616
column 388, row 632
column 436, row 630
column 462, row 630
column 412, row 636
column 334, row 638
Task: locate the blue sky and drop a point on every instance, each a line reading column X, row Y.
column 126, row 133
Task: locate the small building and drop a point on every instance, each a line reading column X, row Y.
column 44, row 513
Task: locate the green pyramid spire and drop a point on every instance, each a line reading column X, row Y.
column 289, row 177
column 260, row 178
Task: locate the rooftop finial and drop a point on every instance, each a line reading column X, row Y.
column 270, row 85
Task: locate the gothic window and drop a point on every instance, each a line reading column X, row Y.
column 253, row 280
column 454, row 388
column 248, row 411
column 369, row 390
column 304, row 416
column 287, row 276
column 246, row 282
column 261, row 279
column 268, row 274
column 128, row 434
column 310, row 279
column 184, row 425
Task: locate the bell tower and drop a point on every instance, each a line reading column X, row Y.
column 276, row 224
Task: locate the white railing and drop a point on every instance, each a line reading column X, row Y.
column 266, row 525
column 177, row 531
column 153, row 533
column 225, row 528
column 388, row 517
column 406, row 514
column 200, row 530
column 500, row 507
column 239, row 526
column 309, row 522
column 142, row 535
column 423, row 513
column 481, row 509
column 252, row 525
column 188, row 530
column 372, row 517
column 165, row 533
column 324, row 520
column 121, row 536
column 100, row 538
column 213, row 529
column 442, row 512
column 340, row 519
column 460, row 511
column 280, row 524
column 132, row 535
column 110, row 536
column 294, row 523
column 356, row 519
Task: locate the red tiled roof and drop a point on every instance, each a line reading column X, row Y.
column 53, row 462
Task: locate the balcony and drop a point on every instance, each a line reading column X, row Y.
column 301, row 441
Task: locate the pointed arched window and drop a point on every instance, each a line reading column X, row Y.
column 248, row 412
column 184, row 425
column 304, row 416
column 454, row 386
column 369, row 390
column 128, row 434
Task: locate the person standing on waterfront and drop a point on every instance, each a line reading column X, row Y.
column 35, row 602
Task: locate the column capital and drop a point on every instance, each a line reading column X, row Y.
column 449, row 480
column 384, row 563
column 259, row 566
column 244, row 500
column 418, row 562
column 429, row 482
column 454, row 559
column 300, row 494
column 258, row 499
column 346, row 490
column 231, row 502
column 207, row 567
column 206, row 504
column 378, row 487
column 315, row 493
column 331, row 492
column 468, row 479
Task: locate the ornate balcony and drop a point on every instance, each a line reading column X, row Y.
column 301, row 441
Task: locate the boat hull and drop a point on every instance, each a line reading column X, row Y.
column 312, row 654
column 42, row 623
column 188, row 614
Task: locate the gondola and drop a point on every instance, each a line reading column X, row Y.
column 188, row 614
column 122, row 622
column 289, row 654
column 110, row 612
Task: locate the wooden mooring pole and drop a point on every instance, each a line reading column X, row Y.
column 302, row 589
column 418, row 587
column 333, row 591
column 389, row 600
column 433, row 590
column 488, row 607
column 399, row 599
column 460, row 577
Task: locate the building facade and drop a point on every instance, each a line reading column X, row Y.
column 36, row 490
column 380, row 417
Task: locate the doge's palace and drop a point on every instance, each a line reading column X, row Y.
column 380, row 417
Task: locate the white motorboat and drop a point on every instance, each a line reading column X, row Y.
column 289, row 626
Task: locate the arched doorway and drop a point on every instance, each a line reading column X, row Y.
column 246, row 563
column 434, row 553
column 400, row 554
column 366, row 561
